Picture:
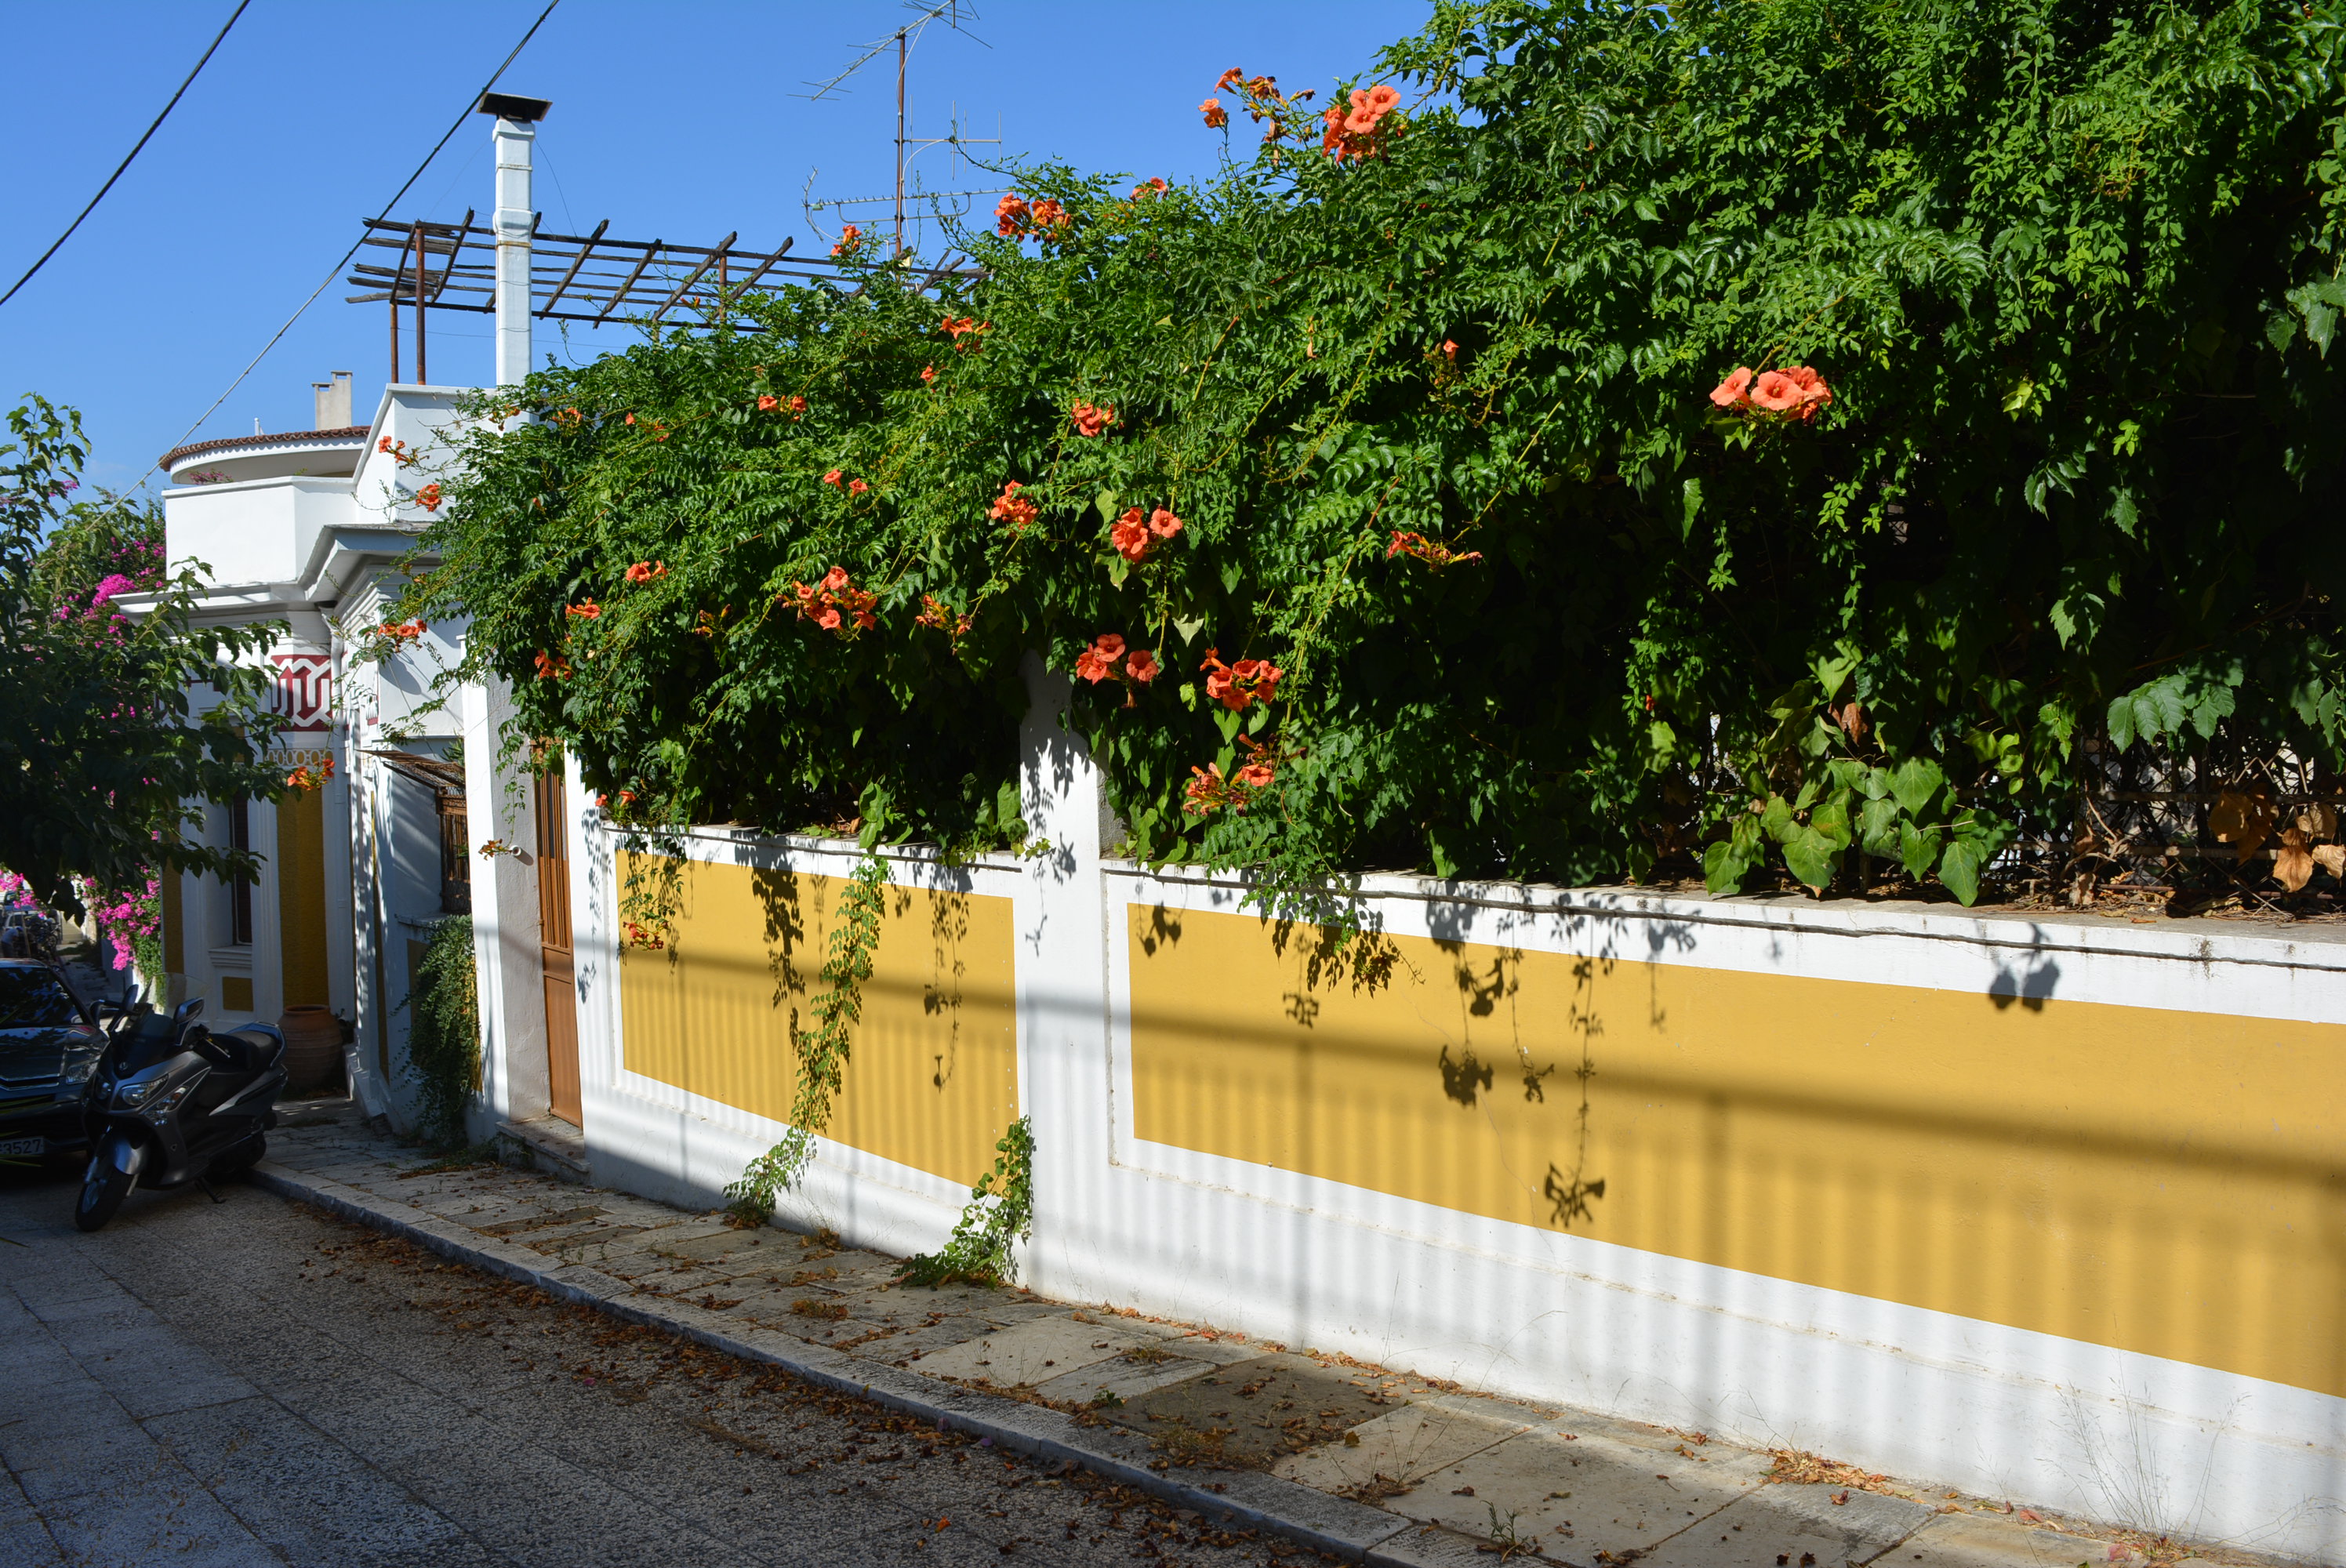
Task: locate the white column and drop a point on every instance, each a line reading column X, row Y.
column 514, row 217
column 505, row 945
column 1062, row 987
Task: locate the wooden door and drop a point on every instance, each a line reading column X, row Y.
column 554, row 936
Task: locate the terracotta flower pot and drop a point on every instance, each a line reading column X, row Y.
column 314, row 1048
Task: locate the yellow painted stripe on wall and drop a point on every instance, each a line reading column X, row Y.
column 301, row 897
column 933, row 1080
column 2162, row 1182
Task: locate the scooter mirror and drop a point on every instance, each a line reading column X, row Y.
column 188, row 1010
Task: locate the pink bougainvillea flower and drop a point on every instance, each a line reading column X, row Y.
column 857, row 487
column 1163, row 524
column 834, row 476
column 1775, row 391
column 1735, row 390
column 1129, row 534
column 1142, row 666
column 1216, row 115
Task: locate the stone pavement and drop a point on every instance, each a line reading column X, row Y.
column 256, row 1383
column 1341, row 1457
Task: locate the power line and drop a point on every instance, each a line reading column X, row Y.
column 462, row 115
column 125, row 162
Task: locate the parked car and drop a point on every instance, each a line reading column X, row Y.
column 50, row 1042
column 28, row 933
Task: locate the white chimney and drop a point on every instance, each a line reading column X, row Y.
column 516, row 121
column 333, row 401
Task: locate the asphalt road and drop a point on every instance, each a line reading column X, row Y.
column 254, row 1383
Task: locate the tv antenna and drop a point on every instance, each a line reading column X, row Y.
column 950, row 12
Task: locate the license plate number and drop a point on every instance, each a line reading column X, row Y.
column 23, row 1146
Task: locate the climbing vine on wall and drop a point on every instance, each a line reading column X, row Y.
column 822, row 1045
column 1000, row 1213
column 1800, row 441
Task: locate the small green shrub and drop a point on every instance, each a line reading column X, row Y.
column 444, row 1031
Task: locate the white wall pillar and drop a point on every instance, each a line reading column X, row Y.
column 505, row 946
column 1062, row 985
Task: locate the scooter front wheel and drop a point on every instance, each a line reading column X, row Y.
column 103, row 1188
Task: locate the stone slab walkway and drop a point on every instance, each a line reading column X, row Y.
column 1372, row 1465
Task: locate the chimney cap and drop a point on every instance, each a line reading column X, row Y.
column 508, row 107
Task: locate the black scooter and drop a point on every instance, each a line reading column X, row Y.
column 172, row 1103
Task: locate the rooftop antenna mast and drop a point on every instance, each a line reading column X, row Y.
column 951, row 12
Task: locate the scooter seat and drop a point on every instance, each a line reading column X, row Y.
column 250, row 1050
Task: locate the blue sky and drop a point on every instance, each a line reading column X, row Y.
column 674, row 121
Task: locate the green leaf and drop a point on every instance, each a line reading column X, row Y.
column 1691, row 491
column 1835, row 667
column 1190, row 629
column 1812, row 857
column 1917, row 852
column 1959, row 869
column 1829, row 821
column 1108, row 501
column 1724, row 867
column 1233, row 574
column 1915, row 783
column 1877, row 826
column 1775, row 819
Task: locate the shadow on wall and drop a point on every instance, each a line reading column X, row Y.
column 2163, row 1182
column 931, row 1078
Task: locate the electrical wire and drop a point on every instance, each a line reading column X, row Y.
column 125, row 162
column 462, row 115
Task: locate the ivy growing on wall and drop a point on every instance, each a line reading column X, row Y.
column 1803, row 440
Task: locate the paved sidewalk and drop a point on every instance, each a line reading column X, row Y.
column 1349, row 1458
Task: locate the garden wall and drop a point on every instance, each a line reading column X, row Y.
column 2050, row 1209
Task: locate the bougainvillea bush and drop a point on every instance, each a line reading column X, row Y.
column 1782, row 439
column 115, row 728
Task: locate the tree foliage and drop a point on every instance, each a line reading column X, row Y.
column 1470, row 572
column 106, row 757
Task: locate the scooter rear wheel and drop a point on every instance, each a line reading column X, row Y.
column 103, row 1188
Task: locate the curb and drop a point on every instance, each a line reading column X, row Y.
column 1252, row 1499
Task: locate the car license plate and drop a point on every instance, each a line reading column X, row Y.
column 23, row 1146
